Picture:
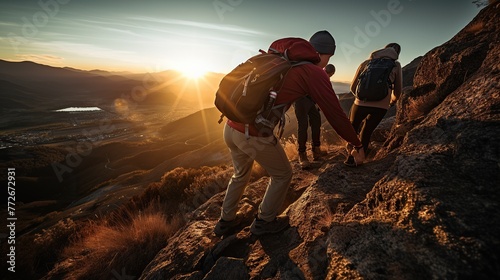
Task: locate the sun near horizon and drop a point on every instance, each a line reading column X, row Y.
column 193, row 72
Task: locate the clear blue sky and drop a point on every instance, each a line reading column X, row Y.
column 216, row 35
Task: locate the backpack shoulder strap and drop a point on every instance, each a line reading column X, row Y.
column 297, row 63
column 391, row 83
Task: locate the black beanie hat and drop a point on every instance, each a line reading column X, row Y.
column 323, row 42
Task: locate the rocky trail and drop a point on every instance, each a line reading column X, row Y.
column 315, row 203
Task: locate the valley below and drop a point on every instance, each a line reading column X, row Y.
column 66, row 160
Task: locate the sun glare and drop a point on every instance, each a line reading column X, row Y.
column 193, row 71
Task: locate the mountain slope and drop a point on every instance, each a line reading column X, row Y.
column 56, row 88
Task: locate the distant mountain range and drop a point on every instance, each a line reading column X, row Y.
column 28, row 85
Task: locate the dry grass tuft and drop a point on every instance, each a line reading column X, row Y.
column 475, row 28
column 421, row 106
column 106, row 251
column 290, row 147
column 181, row 185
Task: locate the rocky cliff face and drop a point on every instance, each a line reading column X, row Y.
column 435, row 213
column 426, row 207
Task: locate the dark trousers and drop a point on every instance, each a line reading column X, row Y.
column 371, row 116
column 307, row 114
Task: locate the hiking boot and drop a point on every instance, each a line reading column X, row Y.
column 223, row 227
column 260, row 227
column 350, row 161
column 318, row 153
column 303, row 160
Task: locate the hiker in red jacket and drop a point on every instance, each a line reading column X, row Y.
column 308, row 79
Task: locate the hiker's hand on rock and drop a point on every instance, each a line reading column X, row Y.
column 359, row 155
column 349, row 148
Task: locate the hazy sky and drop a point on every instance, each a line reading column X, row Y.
column 216, row 35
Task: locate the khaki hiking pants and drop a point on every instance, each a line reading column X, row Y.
column 269, row 153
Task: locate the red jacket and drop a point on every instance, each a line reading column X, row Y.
column 308, row 79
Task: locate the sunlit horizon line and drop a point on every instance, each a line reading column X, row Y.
column 137, row 70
